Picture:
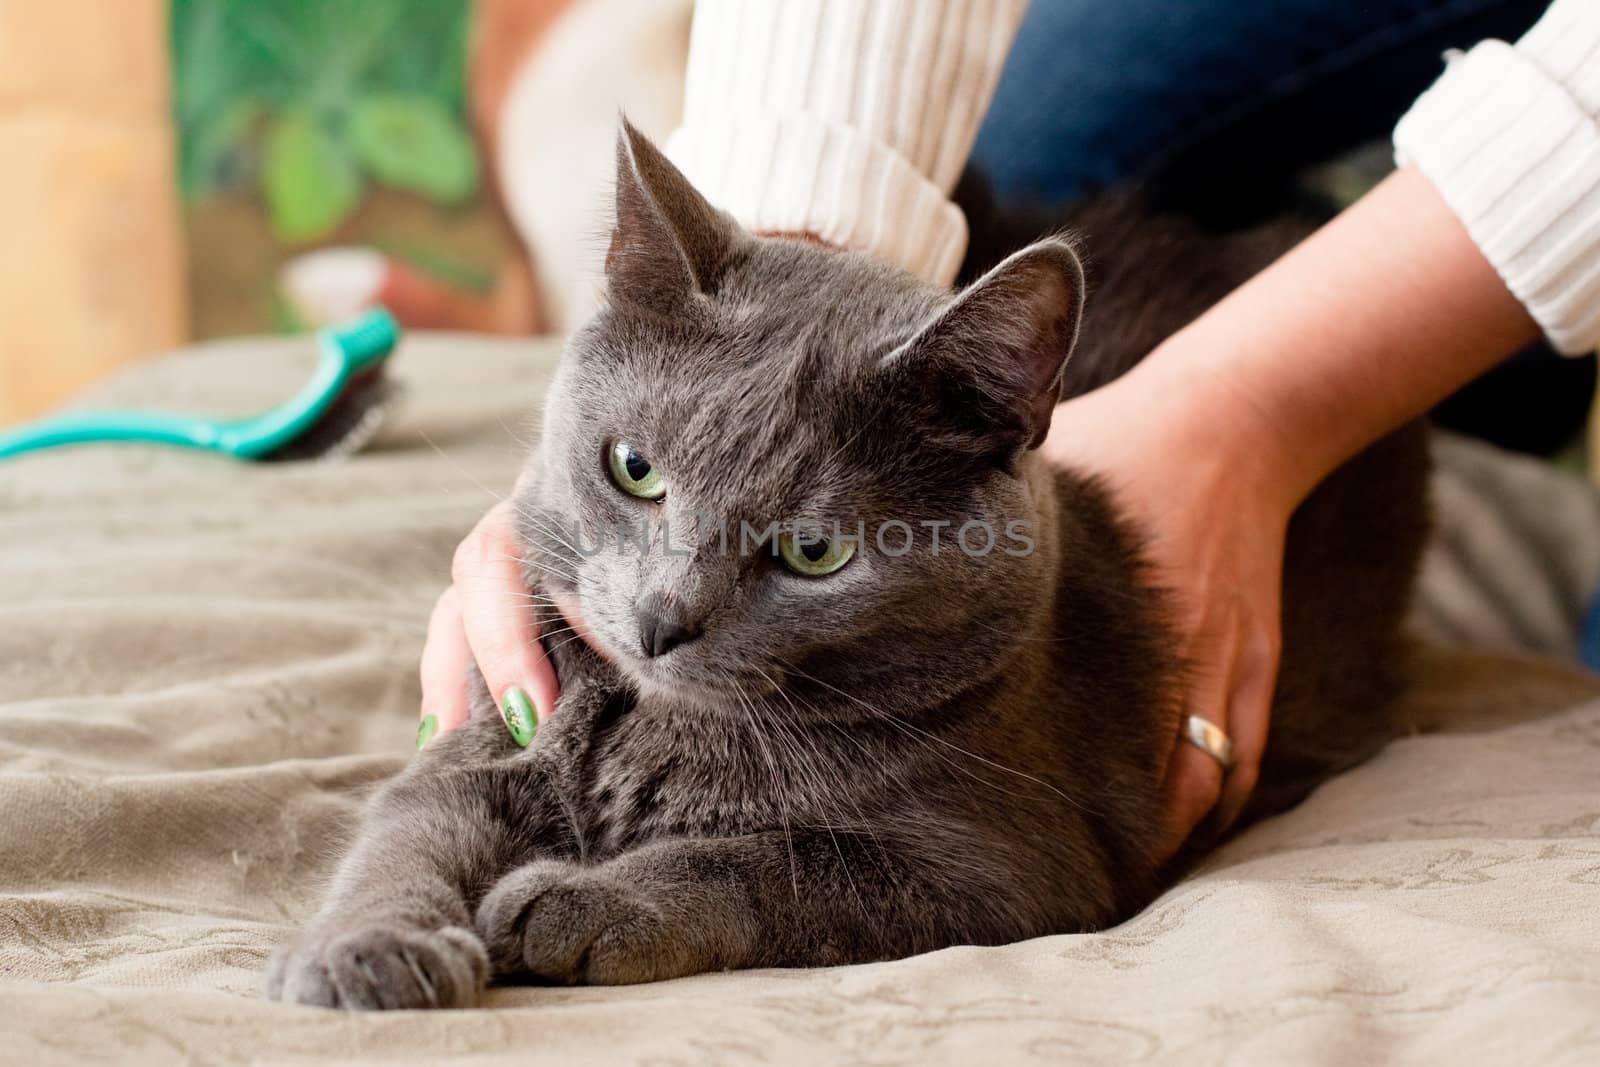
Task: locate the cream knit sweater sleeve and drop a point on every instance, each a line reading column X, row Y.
column 1510, row 136
column 846, row 119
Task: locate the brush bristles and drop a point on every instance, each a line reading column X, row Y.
column 350, row 422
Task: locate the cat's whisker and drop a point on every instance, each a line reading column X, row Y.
column 529, row 561
column 543, row 599
column 777, row 783
column 821, row 788
column 912, row 730
column 498, row 497
column 524, row 594
column 558, row 572
column 545, row 527
column 540, row 599
column 527, row 446
column 521, row 510
column 543, row 562
column 546, row 564
column 552, row 558
column 531, row 599
column 799, row 718
column 568, row 641
column 871, row 758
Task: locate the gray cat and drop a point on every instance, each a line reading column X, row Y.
column 837, row 739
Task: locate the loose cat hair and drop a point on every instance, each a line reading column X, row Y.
column 756, row 765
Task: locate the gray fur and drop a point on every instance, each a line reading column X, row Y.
column 917, row 751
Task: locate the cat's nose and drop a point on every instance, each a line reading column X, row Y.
column 661, row 631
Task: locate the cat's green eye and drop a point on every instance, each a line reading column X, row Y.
column 634, row 474
column 813, row 556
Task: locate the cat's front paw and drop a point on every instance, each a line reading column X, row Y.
column 580, row 925
column 382, row 968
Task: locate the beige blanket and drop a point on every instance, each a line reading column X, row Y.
column 204, row 663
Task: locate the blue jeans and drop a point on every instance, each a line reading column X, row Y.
column 1218, row 103
column 1207, row 91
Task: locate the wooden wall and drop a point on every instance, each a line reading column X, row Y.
column 91, row 249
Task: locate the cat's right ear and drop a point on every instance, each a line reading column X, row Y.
column 990, row 363
column 669, row 243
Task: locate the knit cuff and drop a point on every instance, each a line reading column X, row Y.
column 1516, row 155
column 799, row 174
column 848, row 119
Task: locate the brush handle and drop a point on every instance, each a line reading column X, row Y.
column 344, row 353
column 103, row 426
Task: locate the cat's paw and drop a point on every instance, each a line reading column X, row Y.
column 579, row 925
column 382, row 968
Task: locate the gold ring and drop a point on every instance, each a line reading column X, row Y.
column 1209, row 738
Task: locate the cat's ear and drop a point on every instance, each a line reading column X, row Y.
column 668, row 242
column 992, row 359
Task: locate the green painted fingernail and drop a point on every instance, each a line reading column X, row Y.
column 426, row 729
column 517, row 710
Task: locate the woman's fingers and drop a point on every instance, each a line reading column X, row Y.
column 1249, row 715
column 1201, row 794
column 498, row 614
column 446, row 658
column 1213, row 511
column 485, row 618
column 1195, row 780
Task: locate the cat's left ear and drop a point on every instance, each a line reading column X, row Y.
column 668, row 243
column 993, row 358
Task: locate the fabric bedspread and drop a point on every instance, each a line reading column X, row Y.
column 204, row 665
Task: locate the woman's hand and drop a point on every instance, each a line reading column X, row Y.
column 486, row 617
column 1212, row 441
column 1199, row 485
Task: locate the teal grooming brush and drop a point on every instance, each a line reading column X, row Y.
column 337, row 411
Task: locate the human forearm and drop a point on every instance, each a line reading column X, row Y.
column 1211, row 443
column 1213, row 440
column 1374, row 319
